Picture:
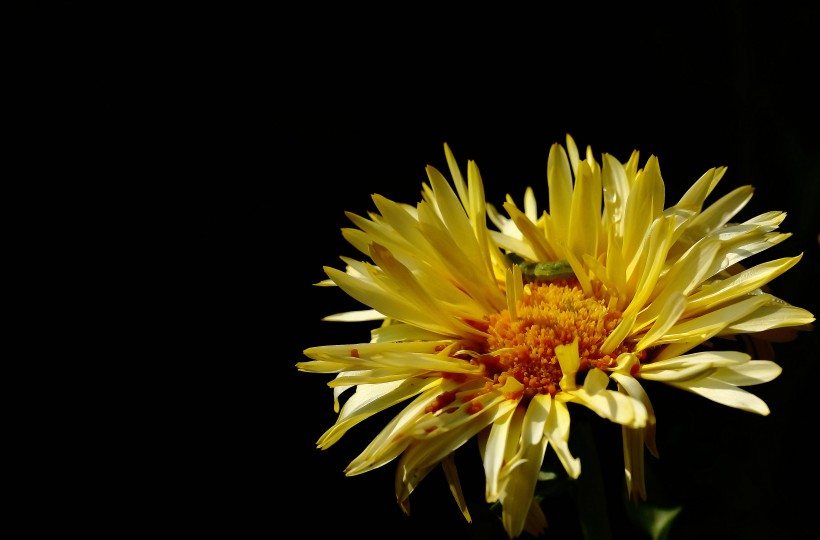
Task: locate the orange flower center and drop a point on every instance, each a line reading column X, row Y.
column 550, row 314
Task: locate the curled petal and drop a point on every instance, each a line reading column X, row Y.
column 613, row 406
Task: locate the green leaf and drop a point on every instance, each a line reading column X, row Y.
column 655, row 521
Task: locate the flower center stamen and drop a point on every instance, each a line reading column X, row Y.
column 550, row 314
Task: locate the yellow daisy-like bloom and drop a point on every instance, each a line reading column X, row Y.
column 493, row 333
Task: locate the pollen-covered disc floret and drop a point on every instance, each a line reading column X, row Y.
column 522, row 345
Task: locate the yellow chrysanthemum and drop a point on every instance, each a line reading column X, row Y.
column 480, row 340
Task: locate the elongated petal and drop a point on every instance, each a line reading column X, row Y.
column 749, row 374
column 726, row 394
column 740, row 284
column 559, row 180
column 585, row 212
column 451, row 473
column 707, row 325
column 556, row 430
column 356, row 316
column 523, row 469
column 720, row 212
column 684, row 276
column 644, row 205
column 615, row 188
column 642, row 281
column 633, row 388
column 633, row 443
column 670, row 312
column 695, row 196
column 500, row 447
column 774, row 315
column 537, row 242
column 393, row 439
column 444, row 433
column 704, row 358
column 620, row 333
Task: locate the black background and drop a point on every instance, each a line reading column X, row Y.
column 369, row 99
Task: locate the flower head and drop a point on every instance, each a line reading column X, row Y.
column 492, row 333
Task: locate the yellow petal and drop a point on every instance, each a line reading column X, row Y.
column 641, row 281
column 570, row 362
column 671, row 310
column 559, row 181
column 585, row 213
column 502, row 444
column 726, row 394
column 556, row 430
column 695, row 196
column 455, row 173
column 355, row 316
column 523, row 470
column 644, row 205
column 708, row 358
column 749, row 374
column 445, row 432
column 686, row 274
column 615, row 188
column 613, row 406
column 770, row 316
column 451, row 473
column 595, row 381
column 633, row 443
column 709, row 324
column 393, row 438
column 531, row 234
column 719, row 213
column 739, row 284
column 633, row 388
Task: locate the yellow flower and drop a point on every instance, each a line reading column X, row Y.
column 478, row 339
